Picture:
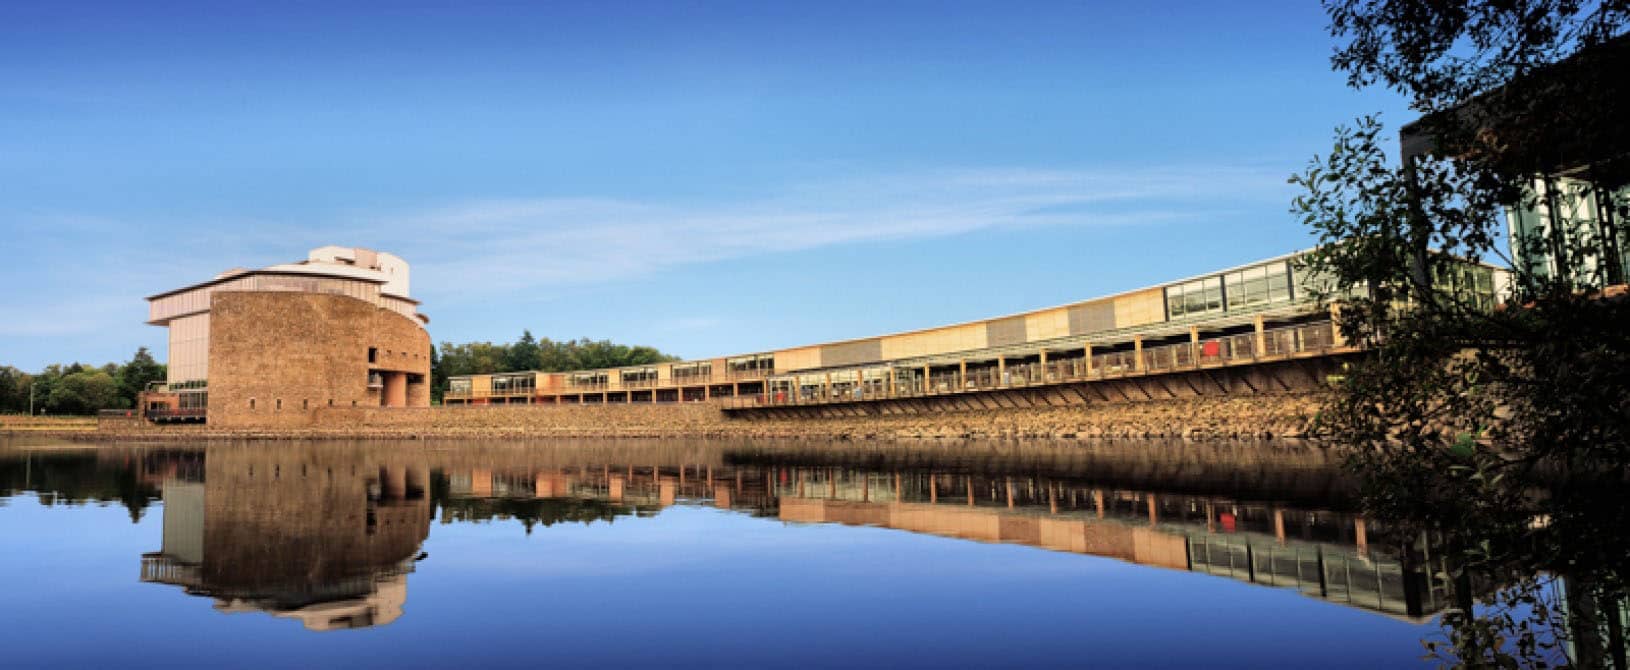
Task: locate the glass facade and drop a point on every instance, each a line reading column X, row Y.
column 1256, row 286
column 692, row 373
column 1200, row 296
column 1471, row 283
column 513, row 384
column 1573, row 228
column 639, row 376
column 747, row 365
column 588, row 379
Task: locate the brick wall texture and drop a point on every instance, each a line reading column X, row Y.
column 277, row 358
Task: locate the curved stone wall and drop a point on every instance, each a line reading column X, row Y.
column 276, row 357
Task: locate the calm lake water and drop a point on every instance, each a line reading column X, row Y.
column 698, row 554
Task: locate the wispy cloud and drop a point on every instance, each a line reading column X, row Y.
column 531, row 245
column 515, row 244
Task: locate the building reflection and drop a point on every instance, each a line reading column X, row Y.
column 329, row 534
column 327, row 543
column 1320, row 552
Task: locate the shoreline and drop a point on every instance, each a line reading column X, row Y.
column 1261, row 417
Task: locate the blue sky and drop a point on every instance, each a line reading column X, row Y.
column 705, row 177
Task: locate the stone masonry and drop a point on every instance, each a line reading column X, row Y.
column 277, row 359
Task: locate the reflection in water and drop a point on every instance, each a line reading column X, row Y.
column 328, row 542
column 328, row 534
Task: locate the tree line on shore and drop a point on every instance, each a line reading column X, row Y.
column 531, row 353
column 77, row 388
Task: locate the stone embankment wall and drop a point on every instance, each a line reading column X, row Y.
column 1242, row 417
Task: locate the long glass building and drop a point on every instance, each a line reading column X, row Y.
column 1263, row 309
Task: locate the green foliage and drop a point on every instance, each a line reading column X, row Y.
column 84, row 392
column 79, row 389
column 136, row 375
column 545, row 355
column 1502, row 435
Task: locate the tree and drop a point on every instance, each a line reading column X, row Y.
column 13, row 389
column 1501, row 434
column 523, row 354
column 135, row 375
column 83, row 392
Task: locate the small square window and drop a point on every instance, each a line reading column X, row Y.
column 373, row 354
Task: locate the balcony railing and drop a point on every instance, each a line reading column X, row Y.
column 1302, row 340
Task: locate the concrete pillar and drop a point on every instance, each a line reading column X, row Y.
column 1010, row 493
column 616, row 484
column 1279, row 525
column 481, row 483
column 1098, row 501
column 667, row 492
column 1261, row 338
column 1335, row 326
column 893, row 381
column 826, row 386
column 1211, row 517
column 1194, row 345
column 1001, row 371
column 962, row 374
column 393, row 482
column 1088, row 350
column 897, row 497
column 395, row 394
column 969, row 482
column 1052, row 498
column 1361, row 537
column 933, row 488
column 1154, row 510
column 1137, row 353
column 926, row 379
column 707, row 392
column 418, row 479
